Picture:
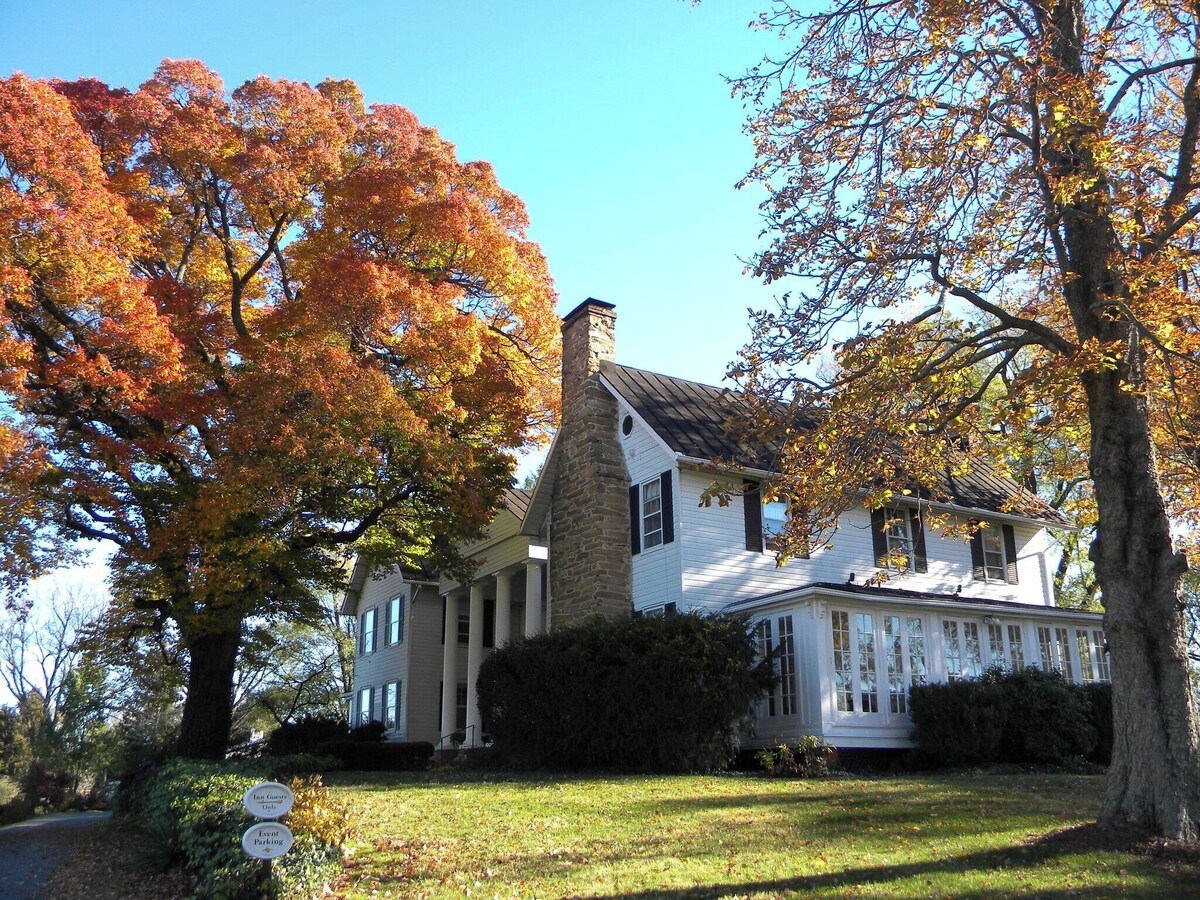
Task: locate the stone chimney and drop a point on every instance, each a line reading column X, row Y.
column 590, row 561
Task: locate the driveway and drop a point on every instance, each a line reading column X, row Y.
column 31, row 851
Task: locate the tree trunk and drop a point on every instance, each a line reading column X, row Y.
column 208, row 708
column 1154, row 779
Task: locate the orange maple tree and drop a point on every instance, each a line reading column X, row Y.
column 990, row 214
column 244, row 334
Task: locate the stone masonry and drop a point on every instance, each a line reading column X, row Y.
column 590, row 564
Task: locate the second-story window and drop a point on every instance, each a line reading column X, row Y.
column 994, row 553
column 899, row 538
column 394, row 629
column 366, row 633
column 774, row 520
column 651, row 512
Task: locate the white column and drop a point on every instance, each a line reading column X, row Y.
column 534, row 623
column 449, row 667
column 474, row 658
column 503, row 608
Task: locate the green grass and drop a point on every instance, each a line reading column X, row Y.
column 456, row 835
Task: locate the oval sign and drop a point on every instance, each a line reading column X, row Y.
column 268, row 800
column 267, row 840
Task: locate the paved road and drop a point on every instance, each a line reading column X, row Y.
column 31, row 851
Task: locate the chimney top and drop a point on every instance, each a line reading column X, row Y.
column 589, row 302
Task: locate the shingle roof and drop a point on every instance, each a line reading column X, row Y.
column 692, row 419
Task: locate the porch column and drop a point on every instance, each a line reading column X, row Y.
column 534, row 623
column 503, row 608
column 449, row 668
column 474, row 657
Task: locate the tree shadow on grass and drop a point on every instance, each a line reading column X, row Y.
column 1175, row 880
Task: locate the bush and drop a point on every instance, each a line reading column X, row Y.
column 649, row 693
column 1099, row 698
column 380, row 757
column 806, row 758
column 306, row 735
column 1022, row 716
column 193, row 810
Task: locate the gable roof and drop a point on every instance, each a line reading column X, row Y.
column 691, row 419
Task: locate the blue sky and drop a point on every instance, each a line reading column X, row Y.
column 610, row 119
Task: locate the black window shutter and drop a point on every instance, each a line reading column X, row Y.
column 920, row 557
column 878, row 535
column 443, row 618
column 635, row 519
column 977, row 556
column 1010, row 552
column 668, row 508
column 752, row 504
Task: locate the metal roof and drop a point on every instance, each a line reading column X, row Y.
column 693, row 419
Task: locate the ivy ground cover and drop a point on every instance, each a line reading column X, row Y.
column 488, row 835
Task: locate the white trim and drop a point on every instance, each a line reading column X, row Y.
column 813, row 592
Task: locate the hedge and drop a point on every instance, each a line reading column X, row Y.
column 194, row 810
column 380, row 757
column 652, row 693
column 1022, row 716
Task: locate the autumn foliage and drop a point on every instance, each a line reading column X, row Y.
column 988, row 216
column 242, row 334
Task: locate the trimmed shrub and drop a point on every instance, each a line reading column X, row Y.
column 650, row 693
column 194, row 811
column 380, row 757
column 305, row 735
column 1099, row 696
column 1022, row 716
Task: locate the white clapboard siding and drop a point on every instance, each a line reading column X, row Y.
column 717, row 568
column 656, row 571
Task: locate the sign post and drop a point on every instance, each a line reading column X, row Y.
column 270, row 839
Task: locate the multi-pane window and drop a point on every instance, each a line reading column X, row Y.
column 364, row 706
column 652, row 521
column 866, row 645
column 391, row 705
column 868, row 680
column 964, row 653
column 464, row 624
column 366, row 633
column 844, row 670
column 994, row 566
column 899, row 539
column 1007, row 645
column 787, row 666
column 774, row 519
column 460, row 706
column 1100, row 656
column 897, row 633
column 1016, row 647
column 1056, row 650
column 1092, row 654
column 762, row 636
column 394, row 630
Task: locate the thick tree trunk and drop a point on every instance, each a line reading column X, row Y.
column 208, row 709
column 1154, row 780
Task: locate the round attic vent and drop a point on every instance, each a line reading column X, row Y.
column 627, row 425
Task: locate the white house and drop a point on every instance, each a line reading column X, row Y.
column 616, row 518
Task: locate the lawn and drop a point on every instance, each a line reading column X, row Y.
column 466, row 834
